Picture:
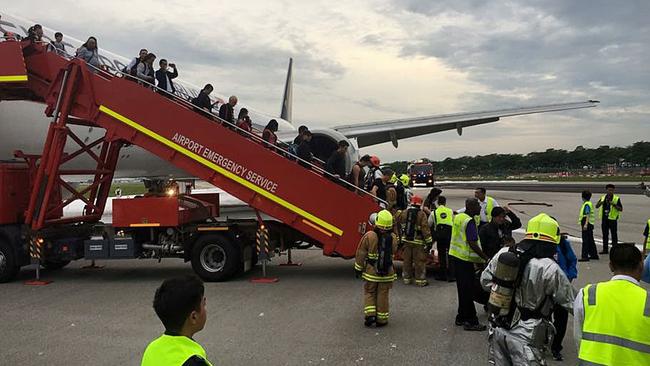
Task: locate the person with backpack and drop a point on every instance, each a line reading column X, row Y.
column 203, row 99
column 374, row 263
column 416, row 241
column 401, row 198
column 57, row 44
column 521, row 333
column 357, row 172
column 374, row 173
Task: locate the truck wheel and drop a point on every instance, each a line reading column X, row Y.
column 215, row 258
column 8, row 267
column 54, row 265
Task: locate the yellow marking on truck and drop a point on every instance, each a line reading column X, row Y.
column 12, row 78
column 220, row 228
column 223, row 172
column 316, row 227
column 151, row 224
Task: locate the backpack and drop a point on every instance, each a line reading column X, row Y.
column 411, row 223
column 370, row 179
column 385, row 254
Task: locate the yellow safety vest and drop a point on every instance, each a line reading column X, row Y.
column 488, row 210
column 616, row 330
column 592, row 215
column 444, row 216
column 170, row 350
column 614, row 213
column 459, row 247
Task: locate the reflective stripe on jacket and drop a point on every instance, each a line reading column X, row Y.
column 366, row 256
column 616, row 329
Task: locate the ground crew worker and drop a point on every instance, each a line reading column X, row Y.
column 487, row 204
column 466, row 252
column 374, row 263
column 415, row 236
column 522, row 336
column 610, row 210
column 441, row 221
column 586, row 220
column 611, row 319
column 180, row 305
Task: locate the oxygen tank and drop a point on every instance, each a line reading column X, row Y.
column 503, row 288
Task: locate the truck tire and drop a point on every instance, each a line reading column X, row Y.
column 8, row 265
column 215, row 258
column 54, row 265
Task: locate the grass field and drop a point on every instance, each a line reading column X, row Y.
column 128, row 189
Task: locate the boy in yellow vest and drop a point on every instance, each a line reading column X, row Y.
column 180, row 305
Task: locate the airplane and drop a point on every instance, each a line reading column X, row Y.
column 23, row 124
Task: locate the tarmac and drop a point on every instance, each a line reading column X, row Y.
column 312, row 316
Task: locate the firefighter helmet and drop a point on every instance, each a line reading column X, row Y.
column 416, row 200
column 375, row 161
column 384, row 220
column 544, row 228
column 405, row 180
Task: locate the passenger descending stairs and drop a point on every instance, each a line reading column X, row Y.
column 264, row 178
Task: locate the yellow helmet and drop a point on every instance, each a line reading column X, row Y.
column 393, row 179
column 384, row 220
column 405, row 180
column 544, row 228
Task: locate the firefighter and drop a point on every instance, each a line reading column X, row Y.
column 391, row 193
column 523, row 335
column 374, row 263
column 406, row 182
column 415, row 237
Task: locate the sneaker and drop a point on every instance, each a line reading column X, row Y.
column 407, row 281
column 422, row 283
column 369, row 321
column 557, row 356
column 474, row 327
column 583, row 260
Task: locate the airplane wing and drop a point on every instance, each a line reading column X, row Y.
column 373, row 133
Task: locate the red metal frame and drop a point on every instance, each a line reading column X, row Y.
column 263, row 178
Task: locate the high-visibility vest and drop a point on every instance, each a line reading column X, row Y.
column 614, row 213
column 592, row 214
column 459, row 247
column 444, row 216
column 172, row 350
column 616, row 326
column 488, row 210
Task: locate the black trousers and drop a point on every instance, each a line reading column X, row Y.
column 443, row 239
column 609, row 225
column 560, row 320
column 589, row 249
column 465, row 288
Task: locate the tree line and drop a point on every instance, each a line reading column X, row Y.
column 636, row 155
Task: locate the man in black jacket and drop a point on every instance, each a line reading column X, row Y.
column 227, row 111
column 494, row 234
column 304, row 150
column 164, row 77
column 336, row 161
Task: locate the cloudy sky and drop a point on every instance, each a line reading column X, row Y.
column 359, row 61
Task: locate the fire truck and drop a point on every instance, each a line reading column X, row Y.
column 421, row 172
column 166, row 222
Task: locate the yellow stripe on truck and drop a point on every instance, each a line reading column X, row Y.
column 221, row 171
column 12, row 78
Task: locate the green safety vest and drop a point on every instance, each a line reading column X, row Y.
column 459, row 247
column 616, row 329
column 170, row 350
column 614, row 213
column 592, row 214
column 444, row 216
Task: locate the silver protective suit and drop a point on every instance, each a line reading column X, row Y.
column 526, row 341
